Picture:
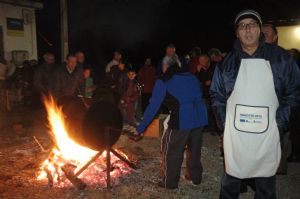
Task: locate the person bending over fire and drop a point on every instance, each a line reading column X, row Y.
column 181, row 93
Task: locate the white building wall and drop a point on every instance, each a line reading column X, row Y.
column 28, row 41
column 289, row 36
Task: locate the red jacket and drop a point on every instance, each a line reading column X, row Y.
column 146, row 77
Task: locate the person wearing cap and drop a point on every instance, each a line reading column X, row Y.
column 254, row 90
column 187, row 118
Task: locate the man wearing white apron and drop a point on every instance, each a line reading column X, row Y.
column 253, row 90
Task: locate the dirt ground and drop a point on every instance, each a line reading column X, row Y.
column 20, row 159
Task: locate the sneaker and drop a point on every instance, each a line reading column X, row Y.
column 195, row 184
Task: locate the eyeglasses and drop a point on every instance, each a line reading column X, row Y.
column 244, row 26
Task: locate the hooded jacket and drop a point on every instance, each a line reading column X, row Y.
column 286, row 77
column 182, row 95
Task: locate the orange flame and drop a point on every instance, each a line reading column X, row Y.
column 69, row 149
column 66, row 149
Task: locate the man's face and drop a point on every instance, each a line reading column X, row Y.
column 204, row 62
column 270, row 35
column 131, row 75
column 170, row 51
column 117, row 56
column 49, row 59
column 148, row 62
column 248, row 32
column 80, row 57
column 71, row 63
column 121, row 66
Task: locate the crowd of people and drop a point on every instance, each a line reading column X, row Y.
column 252, row 89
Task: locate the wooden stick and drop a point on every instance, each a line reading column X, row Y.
column 130, row 164
column 68, row 170
column 89, row 163
column 40, row 145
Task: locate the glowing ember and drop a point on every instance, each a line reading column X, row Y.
column 68, row 152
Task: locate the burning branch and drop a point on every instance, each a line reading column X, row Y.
column 69, row 172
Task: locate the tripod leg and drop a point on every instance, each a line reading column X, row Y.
column 107, row 159
column 132, row 165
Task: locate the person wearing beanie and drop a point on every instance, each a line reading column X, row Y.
column 254, row 89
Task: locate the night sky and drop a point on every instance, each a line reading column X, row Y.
column 142, row 28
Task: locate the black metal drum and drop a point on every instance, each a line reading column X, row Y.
column 88, row 125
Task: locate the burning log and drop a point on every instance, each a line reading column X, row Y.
column 132, row 165
column 69, row 172
column 49, row 177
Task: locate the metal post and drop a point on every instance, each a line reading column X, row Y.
column 107, row 141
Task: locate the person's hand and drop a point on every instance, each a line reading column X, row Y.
column 136, row 137
column 208, row 83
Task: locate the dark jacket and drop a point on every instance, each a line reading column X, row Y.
column 182, row 94
column 115, row 76
column 285, row 73
column 130, row 92
column 43, row 78
column 66, row 84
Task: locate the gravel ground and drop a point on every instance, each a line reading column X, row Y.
column 20, row 159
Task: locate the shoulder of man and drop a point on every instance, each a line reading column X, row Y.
column 232, row 59
column 277, row 54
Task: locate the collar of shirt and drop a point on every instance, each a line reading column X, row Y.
column 69, row 70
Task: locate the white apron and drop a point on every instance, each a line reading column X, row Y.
column 251, row 137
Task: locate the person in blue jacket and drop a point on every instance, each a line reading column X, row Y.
column 181, row 93
column 254, row 89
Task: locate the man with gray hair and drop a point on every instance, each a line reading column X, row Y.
column 170, row 58
column 254, row 90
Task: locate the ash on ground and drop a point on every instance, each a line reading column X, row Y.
column 21, row 158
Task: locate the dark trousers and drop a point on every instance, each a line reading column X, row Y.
column 265, row 187
column 212, row 123
column 172, row 147
column 128, row 112
column 295, row 132
column 145, row 100
column 117, row 98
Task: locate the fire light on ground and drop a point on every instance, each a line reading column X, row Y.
column 68, row 153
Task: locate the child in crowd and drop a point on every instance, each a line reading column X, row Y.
column 130, row 93
column 87, row 87
column 88, row 83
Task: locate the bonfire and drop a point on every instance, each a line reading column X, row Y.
column 70, row 164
